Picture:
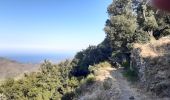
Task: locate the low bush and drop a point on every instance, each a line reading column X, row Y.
column 90, row 56
column 52, row 82
column 90, row 79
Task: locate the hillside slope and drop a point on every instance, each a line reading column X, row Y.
column 9, row 68
column 152, row 62
column 111, row 85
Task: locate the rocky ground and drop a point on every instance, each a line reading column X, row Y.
column 152, row 62
column 112, row 85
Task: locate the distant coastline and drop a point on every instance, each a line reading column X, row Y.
column 14, row 65
column 11, row 68
column 38, row 58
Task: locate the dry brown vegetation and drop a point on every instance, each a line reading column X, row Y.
column 152, row 61
column 154, row 48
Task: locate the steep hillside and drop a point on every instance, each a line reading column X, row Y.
column 152, row 61
column 90, row 76
column 51, row 82
column 9, row 68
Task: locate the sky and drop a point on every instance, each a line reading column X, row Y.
column 51, row 25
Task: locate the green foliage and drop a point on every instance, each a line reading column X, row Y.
column 129, row 73
column 145, row 17
column 130, row 21
column 94, row 69
column 134, row 21
column 90, row 79
column 141, row 36
column 150, row 19
column 121, row 27
column 165, row 32
column 92, row 55
column 51, row 83
column 124, row 23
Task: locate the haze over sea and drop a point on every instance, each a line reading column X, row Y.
column 37, row 58
column 34, row 30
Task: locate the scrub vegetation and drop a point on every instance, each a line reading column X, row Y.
column 130, row 22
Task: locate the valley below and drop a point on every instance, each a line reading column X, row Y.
column 14, row 69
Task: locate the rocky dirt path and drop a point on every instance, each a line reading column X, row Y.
column 118, row 87
column 128, row 91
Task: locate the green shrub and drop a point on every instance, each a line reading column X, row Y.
column 141, row 36
column 51, row 82
column 90, row 56
column 90, row 79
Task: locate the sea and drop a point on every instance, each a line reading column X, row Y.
column 37, row 58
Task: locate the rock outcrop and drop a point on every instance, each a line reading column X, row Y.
column 152, row 62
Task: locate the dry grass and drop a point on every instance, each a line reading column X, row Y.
column 154, row 48
column 104, row 73
column 104, row 87
column 153, row 64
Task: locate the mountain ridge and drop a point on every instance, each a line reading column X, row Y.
column 11, row 68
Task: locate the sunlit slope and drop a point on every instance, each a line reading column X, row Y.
column 9, row 68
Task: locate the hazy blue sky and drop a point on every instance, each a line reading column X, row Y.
column 51, row 25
